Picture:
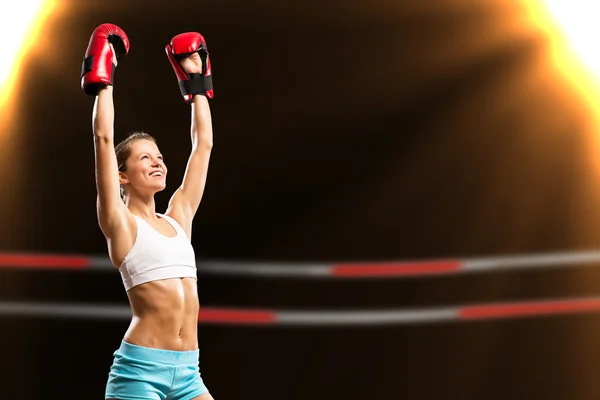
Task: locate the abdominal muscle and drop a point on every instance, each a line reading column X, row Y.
column 165, row 315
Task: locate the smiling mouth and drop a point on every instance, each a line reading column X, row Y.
column 157, row 174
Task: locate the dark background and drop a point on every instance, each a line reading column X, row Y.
column 344, row 131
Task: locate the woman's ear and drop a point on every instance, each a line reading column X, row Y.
column 123, row 178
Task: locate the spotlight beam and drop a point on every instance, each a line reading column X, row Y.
column 20, row 23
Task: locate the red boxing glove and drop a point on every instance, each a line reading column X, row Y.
column 182, row 46
column 98, row 69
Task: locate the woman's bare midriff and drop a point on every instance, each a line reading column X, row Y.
column 165, row 315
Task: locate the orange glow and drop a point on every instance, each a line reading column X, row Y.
column 31, row 15
column 572, row 27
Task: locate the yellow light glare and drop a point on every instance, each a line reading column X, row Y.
column 571, row 27
column 20, row 22
column 580, row 25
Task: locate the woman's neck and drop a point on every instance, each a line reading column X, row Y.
column 144, row 208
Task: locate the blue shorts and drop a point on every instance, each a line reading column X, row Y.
column 142, row 373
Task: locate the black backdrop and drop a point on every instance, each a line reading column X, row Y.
column 343, row 131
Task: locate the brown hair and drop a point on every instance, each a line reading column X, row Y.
column 123, row 149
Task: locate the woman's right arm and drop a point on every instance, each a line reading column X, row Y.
column 112, row 213
column 107, row 45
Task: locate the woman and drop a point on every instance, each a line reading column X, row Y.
column 158, row 357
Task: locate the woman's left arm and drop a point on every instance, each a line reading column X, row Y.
column 185, row 201
column 187, row 197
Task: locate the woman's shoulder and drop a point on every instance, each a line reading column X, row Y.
column 177, row 221
column 172, row 219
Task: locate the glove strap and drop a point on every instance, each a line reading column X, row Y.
column 197, row 84
column 86, row 66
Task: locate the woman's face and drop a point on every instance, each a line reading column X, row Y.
column 145, row 171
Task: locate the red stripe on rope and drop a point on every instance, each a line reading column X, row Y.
column 395, row 269
column 527, row 309
column 43, row 261
column 260, row 317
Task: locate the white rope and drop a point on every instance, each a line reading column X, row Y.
column 352, row 270
column 223, row 316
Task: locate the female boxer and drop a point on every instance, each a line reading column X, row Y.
column 158, row 357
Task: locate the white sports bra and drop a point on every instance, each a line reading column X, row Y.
column 155, row 256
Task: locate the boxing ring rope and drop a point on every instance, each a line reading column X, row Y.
column 271, row 317
column 400, row 269
column 372, row 318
